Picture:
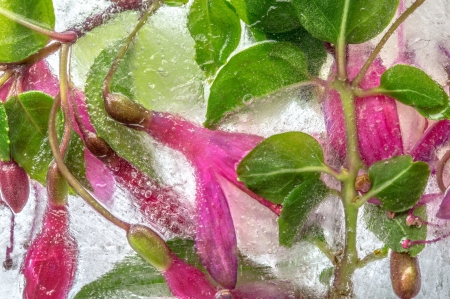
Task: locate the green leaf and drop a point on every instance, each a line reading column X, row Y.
column 18, row 42
column 4, row 136
column 296, row 208
column 393, row 231
column 414, row 87
column 28, row 116
column 216, row 29
column 398, row 182
column 326, row 275
column 313, row 48
column 267, row 15
column 355, row 21
column 74, row 160
column 280, row 163
column 128, row 143
column 252, row 73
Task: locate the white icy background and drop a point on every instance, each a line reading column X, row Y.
column 101, row 244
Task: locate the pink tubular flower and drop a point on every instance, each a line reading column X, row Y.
column 14, row 185
column 50, row 263
column 213, row 154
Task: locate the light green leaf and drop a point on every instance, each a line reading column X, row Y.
column 393, row 231
column 252, row 73
column 216, row 29
column 267, row 15
column 18, row 42
column 4, row 135
column 355, row 21
column 398, row 182
column 296, row 208
column 280, row 163
column 414, row 87
column 128, row 143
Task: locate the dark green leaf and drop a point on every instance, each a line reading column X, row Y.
column 28, row 116
column 267, row 15
column 398, row 182
column 313, row 48
column 216, row 30
column 414, row 87
column 253, row 73
column 354, row 21
column 128, row 143
column 393, row 231
column 326, row 275
column 296, row 208
column 18, row 42
column 4, row 136
column 280, row 163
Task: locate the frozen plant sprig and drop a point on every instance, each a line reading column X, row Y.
column 283, row 172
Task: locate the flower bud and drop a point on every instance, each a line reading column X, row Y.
column 405, row 275
column 150, row 246
column 57, row 187
column 97, row 146
column 125, row 111
column 50, row 263
column 15, row 187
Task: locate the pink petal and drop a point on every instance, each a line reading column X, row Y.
column 215, row 238
column 39, row 77
column 100, row 177
column 435, row 136
column 444, row 209
column 187, row 282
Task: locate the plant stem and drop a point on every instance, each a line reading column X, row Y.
column 341, row 46
column 73, row 182
column 62, row 37
column 383, row 41
column 348, row 264
column 106, row 84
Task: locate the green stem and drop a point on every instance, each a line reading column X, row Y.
column 62, row 37
column 53, row 140
column 326, row 249
column 5, row 76
column 378, row 254
column 383, row 41
column 348, row 264
column 341, row 46
column 106, row 84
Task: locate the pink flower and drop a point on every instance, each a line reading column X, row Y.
column 50, row 263
column 14, row 185
column 213, row 154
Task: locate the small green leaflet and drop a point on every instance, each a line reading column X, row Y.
column 216, row 29
column 4, row 135
column 354, row 21
column 414, row 87
column 313, row 48
column 398, row 182
column 267, row 15
column 133, row 277
column 393, row 231
column 296, row 207
column 28, row 116
column 16, row 41
column 280, row 163
column 252, row 73
column 125, row 141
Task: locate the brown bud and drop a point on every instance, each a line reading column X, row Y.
column 57, row 187
column 125, row 111
column 97, row 146
column 15, row 185
column 405, row 275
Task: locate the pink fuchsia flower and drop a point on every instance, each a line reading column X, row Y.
column 50, row 263
column 14, row 185
column 213, row 154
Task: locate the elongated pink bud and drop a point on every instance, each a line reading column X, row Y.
column 15, row 186
column 50, row 262
column 187, row 282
